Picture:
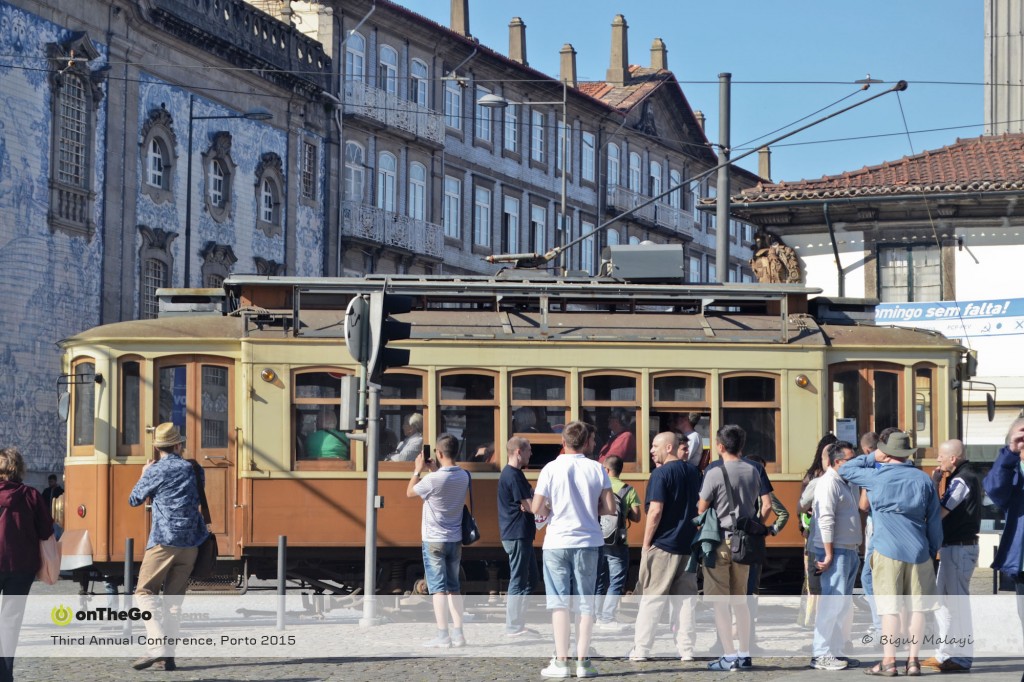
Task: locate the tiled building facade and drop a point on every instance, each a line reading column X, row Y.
column 136, row 152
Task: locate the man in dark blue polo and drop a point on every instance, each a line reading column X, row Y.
column 517, row 527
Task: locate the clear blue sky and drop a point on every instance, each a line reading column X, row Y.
column 788, row 59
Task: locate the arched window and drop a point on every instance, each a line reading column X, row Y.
column 216, row 185
column 268, row 199
column 634, row 173
column 420, row 83
column 158, row 144
column 634, row 240
column 355, row 58
column 156, row 264
column 219, row 169
column 355, row 171
column 613, row 237
column 675, row 199
column 83, row 406
column 269, row 192
column 611, row 401
column 387, row 169
column 387, row 77
column 655, row 178
column 417, row 199
column 613, row 164
column 129, row 408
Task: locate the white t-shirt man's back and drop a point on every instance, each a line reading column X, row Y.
column 572, row 484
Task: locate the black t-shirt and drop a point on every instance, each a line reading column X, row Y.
column 513, row 523
column 676, row 485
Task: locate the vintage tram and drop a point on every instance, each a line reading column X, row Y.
column 251, row 371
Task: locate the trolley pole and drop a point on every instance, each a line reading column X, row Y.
column 369, row 618
column 722, row 188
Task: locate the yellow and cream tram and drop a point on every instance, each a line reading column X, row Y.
column 252, row 371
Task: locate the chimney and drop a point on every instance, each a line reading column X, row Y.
column 764, row 163
column 460, row 17
column 567, row 72
column 659, row 55
column 700, row 119
column 618, row 70
column 517, row 41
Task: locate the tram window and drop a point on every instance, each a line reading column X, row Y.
column 403, row 418
column 887, row 400
column 469, row 411
column 316, row 409
column 923, row 405
column 171, row 405
column 752, row 402
column 215, row 407
column 869, row 393
column 130, row 427
column 674, row 396
column 84, row 405
column 539, row 408
column 610, row 403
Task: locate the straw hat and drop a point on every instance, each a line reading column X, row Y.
column 898, row 445
column 167, row 436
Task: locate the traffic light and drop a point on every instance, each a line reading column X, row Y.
column 357, row 329
column 384, row 329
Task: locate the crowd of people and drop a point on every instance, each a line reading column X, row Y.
column 866, row 510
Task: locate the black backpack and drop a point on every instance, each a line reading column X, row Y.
column 613, row 526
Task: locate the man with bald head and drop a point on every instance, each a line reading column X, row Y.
column 961, row 521
column 671, row 502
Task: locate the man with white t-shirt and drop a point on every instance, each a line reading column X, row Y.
column 573, row 491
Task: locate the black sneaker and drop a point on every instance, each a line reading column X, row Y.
column 746, row 663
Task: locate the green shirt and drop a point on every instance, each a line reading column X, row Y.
column 632, row 499
column 327, row 444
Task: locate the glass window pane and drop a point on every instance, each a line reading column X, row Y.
column 131, row 416
column 538, row 387
column 886, row 401
column 467, row 387
column 759, row 424
column 537, row 419
column 473, row 426
column 679, row 389
column 172, row 396
column 85, row 403
column 401, row 387
column 923, row 407
column 318, row 385
column 318, row 434
column 605, row 387
column 214, row 415
column 749, row 389
column 846, row 398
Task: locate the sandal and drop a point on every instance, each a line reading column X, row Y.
column 913, row 668
column 882, row 670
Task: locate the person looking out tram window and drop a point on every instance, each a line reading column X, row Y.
column 328, row 442
column 621, row 440
column 412, row 442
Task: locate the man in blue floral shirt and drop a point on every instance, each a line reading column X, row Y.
column 177, row 531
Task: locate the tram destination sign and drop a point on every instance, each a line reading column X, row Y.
column 957, row 319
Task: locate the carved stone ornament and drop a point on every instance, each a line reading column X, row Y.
column 773, row 261
column 269, row 268
column 73, row 56
column 647, row 124
column 159, row 117
column 218, row 254
column 157, row 238
column 269, row 162
column 221, row 145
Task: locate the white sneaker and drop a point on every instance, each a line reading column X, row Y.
column 686, row 658
column 557, row 669
column 636, row 657
column 439, row 642
column 585, row 668
column 609, row 626
column 829, row 662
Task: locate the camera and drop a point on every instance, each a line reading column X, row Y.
column 426, row 454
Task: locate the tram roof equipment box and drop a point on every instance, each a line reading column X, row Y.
column 647, row 262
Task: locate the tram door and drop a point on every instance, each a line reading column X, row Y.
column 195, row 392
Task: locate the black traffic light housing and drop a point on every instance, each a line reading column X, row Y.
column 384, row 329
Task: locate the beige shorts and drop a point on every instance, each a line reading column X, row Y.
column 726, row 578
column 899, row 585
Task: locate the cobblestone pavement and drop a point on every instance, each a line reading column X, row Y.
column 350, row 661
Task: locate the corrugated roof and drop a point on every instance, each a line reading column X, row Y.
column 989, row 163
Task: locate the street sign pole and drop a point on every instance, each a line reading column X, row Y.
column 369, row 618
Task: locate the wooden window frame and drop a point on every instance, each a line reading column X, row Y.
column 636, row 406
column 315, row 464
column 86, row 448
column 139, row 449
column 865, row 399
column 513, row 405
column 423, row 405
column 494, row 403
column 930, row 451
column 775, row 404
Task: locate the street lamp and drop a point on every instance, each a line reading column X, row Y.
column 498, row 102
column 254, row 115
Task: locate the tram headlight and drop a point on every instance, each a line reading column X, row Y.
column 268, row 375
column 802, row 381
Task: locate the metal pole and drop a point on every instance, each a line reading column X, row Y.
column 370, row 567
column 129, row 566
column 282, row 577
column 565, row 168
column 722, row 188
column 188, row 198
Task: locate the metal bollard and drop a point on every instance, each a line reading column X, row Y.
column 282, row 574
column 129, row 554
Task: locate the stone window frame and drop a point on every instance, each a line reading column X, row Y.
column 269, row 176
column 156, row 247
column 71, row 203
column 159, row 129
column 309, row 172
column 219, row 152
column 270, row 268
column 218, row 261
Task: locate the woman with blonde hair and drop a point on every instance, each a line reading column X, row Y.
column 25, row 521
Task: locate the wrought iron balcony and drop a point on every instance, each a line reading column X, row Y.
column 393, row 111
column 657, row 214
column 393, row 230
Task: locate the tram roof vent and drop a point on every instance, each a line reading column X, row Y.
column 843, row 310
column 646, row 262
column 178, row 302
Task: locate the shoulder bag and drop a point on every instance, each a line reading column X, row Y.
column 49, row 560
column 206, row 558
column 470, row 532
column 747, row 537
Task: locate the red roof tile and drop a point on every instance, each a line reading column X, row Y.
column 986, row 163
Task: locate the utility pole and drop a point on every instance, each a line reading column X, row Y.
column 722, row 189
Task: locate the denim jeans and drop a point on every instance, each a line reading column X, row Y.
column 953, row 585
column 612, row 569
column 568, row 573
column 522, row 579
column 441, row 562
column 867, row 582
column 835, row 602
